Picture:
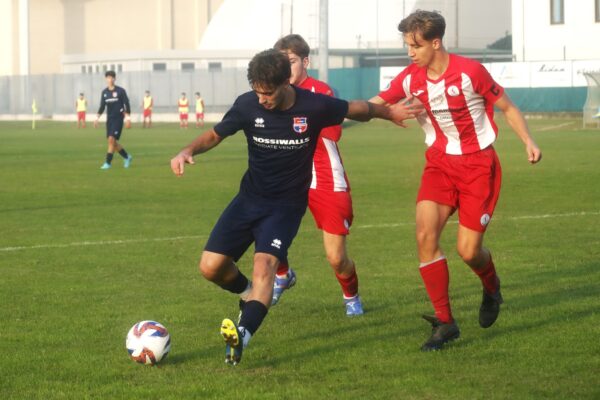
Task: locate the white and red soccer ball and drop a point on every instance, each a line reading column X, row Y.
column 148, row 342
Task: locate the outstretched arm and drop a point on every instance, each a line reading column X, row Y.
column 518, row 124
column 363, row 111
column 201, row 144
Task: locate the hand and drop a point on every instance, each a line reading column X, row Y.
column 408, row 108
column 96, row 123
column 534, row 154
column 127, row 122
column 178, row 162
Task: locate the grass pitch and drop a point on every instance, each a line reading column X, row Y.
column 84, row 254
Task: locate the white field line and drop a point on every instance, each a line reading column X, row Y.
column 177, row 238
column 553, row 127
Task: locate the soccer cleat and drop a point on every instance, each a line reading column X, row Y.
column 128, row 161
column 490, row 308
column 353, row 306
column 440, row 333
column 282, row 284
column 105, row 166
column 234, row 345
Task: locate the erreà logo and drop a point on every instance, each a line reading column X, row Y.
column 300, row 124
column 259, row 122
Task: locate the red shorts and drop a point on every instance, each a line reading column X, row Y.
column 332, row 210
column 80, row 115
column 469, row 182
column 147, row 113
column 199, row 115
column 183, row 116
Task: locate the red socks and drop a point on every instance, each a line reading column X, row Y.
column 349, row 284
column 436, row 279
column 488, row 277
column 282, row 269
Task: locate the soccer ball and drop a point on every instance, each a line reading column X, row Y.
column 148, row 342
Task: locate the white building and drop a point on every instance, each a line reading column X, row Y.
column 553, row 30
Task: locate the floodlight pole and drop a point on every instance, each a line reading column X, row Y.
column 323, row 40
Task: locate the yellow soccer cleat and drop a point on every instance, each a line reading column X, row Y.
column 234, row 345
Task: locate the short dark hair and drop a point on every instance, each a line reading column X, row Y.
column 81, row 94
column 295, row 44
column 110, row 73
column 430, row 24
column 269, row 68
column 197, row 93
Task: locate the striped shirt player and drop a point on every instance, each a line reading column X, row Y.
column 462, row 171
column 329, row 196
column 460, row 105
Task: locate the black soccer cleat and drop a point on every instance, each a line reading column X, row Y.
column 490, row 308
column 440, row 333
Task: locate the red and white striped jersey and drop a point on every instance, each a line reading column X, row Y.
column 328, row 169
column 460, row 104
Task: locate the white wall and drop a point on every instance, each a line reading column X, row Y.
column 6, row 38
column 535, row 39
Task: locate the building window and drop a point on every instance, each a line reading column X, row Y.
column 597, row 10
column 112, row 67
column 104, row 68
column 97, row 69
column 159, row 66
column 188, row 66
column 119, row 67
column 83, row 69
column 557, row 12
column 214, row 67
column 90, row 69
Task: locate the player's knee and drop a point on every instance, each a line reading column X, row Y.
column 426, row 238
column 338, row 260
column 264, row 268
column 209, row 268
column 469, row 254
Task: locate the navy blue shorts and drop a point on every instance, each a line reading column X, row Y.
column 114, row 128
column 272, row 228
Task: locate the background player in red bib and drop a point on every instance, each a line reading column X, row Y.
column 329, row 197
column 184, row 108
column 462, row 171
column 148, row 103
column 81, row 108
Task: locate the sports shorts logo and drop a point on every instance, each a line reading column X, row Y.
column 259, row 123
column 453, row 91
column 300, row 124
column 276, row 243
column 485, row 219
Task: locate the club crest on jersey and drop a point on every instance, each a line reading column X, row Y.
column 300, row 124
column 453, row 91
column 114, row 94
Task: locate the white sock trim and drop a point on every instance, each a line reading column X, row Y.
column 244, row 295
column 246, row 336
column 423, row 265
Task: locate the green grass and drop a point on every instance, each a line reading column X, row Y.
column 65, row 310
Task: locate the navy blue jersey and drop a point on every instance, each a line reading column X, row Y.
column 281, row 144
column 116, row 103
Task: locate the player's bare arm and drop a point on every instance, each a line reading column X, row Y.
column 517, row 122
column 360, row 110
column 201, row 144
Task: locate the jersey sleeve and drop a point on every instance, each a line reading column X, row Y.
column 126, row 106
column 231, row 123
column 395, row 92
column 332, row 132
column 102, row 104
column 485, row 85
column 334, row 111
